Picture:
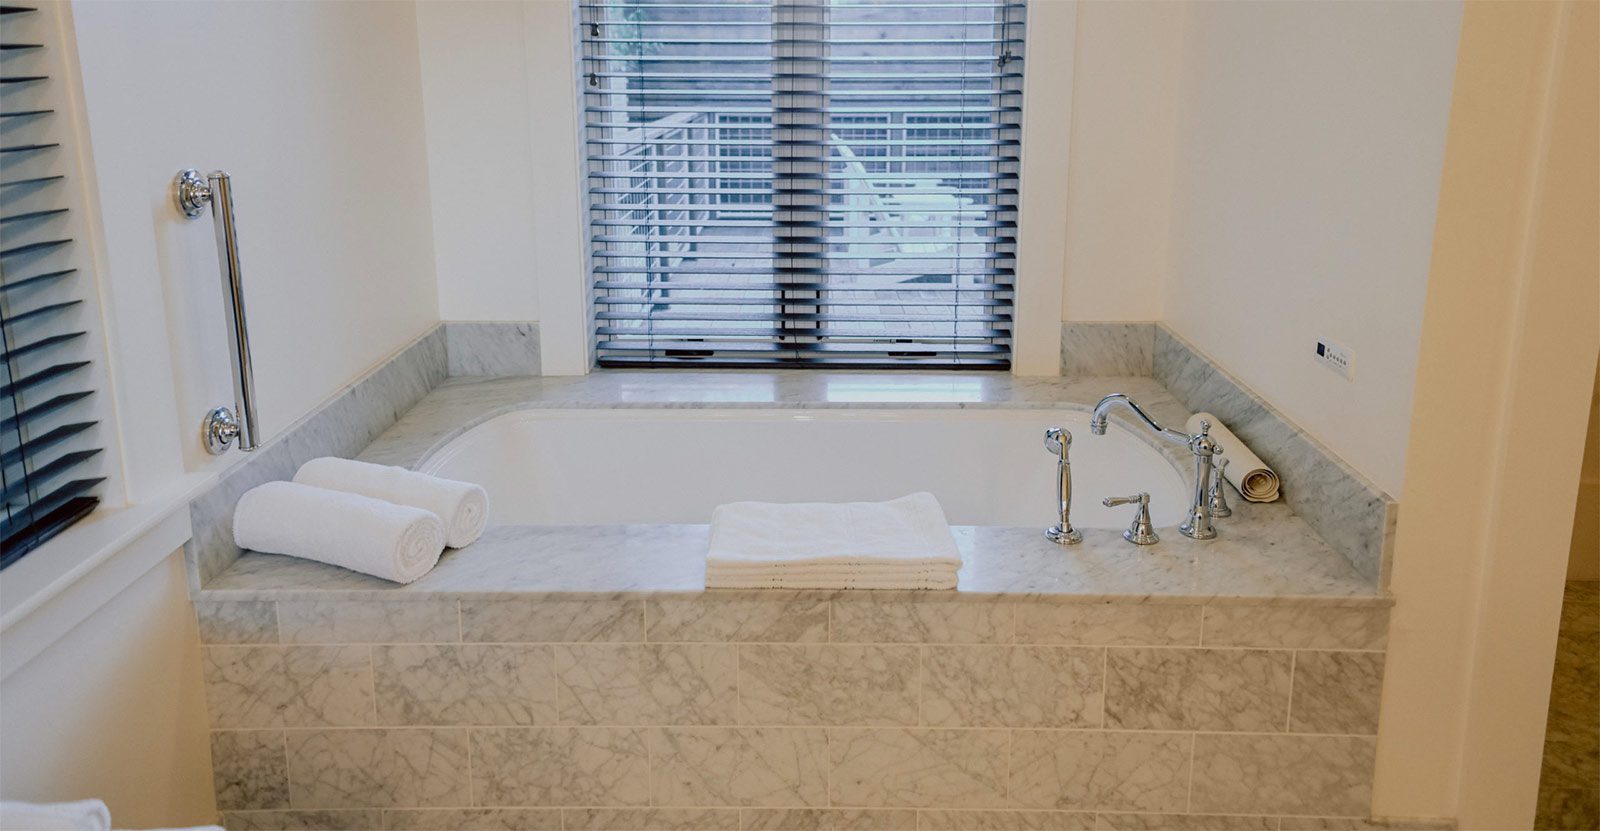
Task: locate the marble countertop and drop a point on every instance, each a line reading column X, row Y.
column 1264, row 553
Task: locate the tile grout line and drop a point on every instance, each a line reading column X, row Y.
column 1288, row 714
column 1188, row 797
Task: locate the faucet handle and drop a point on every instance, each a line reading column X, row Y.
column 1217, row 493
column 1141, row 532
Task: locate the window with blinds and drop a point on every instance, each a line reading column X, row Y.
column 803, row 182
column 48, row 440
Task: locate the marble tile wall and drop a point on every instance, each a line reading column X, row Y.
column 807, row 711
column 1107, row 349
column 342, row 427
column 492, row 348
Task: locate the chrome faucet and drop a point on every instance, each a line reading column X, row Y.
column 1058, row 441
column 1198, row 524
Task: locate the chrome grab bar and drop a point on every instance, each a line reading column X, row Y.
column 221, row 427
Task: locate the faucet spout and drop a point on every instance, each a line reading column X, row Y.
column 1198, row 525
column 1098, row 419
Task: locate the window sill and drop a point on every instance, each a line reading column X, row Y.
column 51, row 590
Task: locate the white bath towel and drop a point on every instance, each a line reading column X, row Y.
column 903, row 543
column 395, row 542
column 463, row 506
column 83, row 815
column 1249, row 475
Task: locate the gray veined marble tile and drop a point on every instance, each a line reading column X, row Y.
column 827, row 819
column 408, row 620
column 781, row 618
column 1021, row 686
column 466, row 684
column 646, row 683
column 651, row 819
column 249, row 770
column 288, row 686
column 1087, row 770
column 1302, row 775
column 1107, row 349
column 1197, row 689
column 1297, row 627
column 1338, row 692
column 367, row 820
column 917, row 768
column 242, row 621
column 473, row 819
column 537, row 620
column 740, row 766
column 371, row 768
column 1007, row 821
column 1115, row 624
column 560, row 766
column 828, row 684
column 492, row 348
column 873, row 620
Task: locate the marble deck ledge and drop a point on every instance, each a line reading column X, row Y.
column 1270, row 557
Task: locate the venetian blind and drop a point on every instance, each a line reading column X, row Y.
column 803, row 182
column 48, row 438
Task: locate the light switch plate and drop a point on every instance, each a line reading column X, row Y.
column 1336, row 358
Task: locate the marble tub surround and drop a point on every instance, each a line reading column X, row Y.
column 346, row 423
column 492, row 348
column 1352, row 514
column 789, row 710
column 1107, row 348
column 1265, row 555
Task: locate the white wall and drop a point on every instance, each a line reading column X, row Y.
column 316, row 110
column 480, row 164
column 1124, row 128
column 116, row 711
column 1310, row 144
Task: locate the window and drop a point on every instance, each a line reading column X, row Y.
column 49, row 447
column 803, row 182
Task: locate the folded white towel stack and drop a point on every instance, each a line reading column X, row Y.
column 84, row 815
column 1251, row 476
column 395, row 542
column 463, row 506
column 901, row 544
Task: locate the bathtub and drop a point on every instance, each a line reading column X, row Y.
column 987, row 467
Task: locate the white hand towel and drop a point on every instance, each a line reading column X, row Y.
column 903, row 543
column 395, row 542
column 1251, row 476
column 84, row 815
column 463, row 506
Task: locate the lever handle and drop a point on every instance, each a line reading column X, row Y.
column 1217, row 494
column 1141, row 532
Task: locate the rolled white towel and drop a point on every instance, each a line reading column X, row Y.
column 395, row 542
column 1251, row 476
column 463, row 506
column 83, row 815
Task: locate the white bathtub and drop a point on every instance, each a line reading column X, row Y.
column 987, row 467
